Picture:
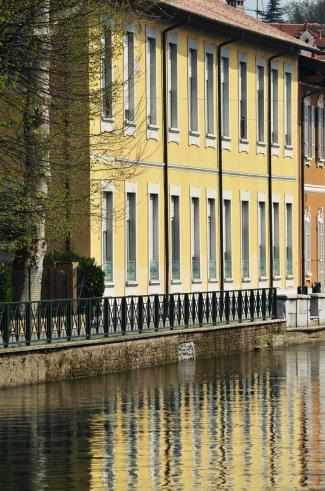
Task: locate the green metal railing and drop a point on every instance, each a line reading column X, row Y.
column 27, row 323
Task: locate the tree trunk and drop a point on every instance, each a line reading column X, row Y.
column 28, row 262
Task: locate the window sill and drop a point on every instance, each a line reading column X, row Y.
column 152, row 132
column 109, row 284
column 226, row 142
column 176, row 282
column 275, row 149
column 288, row 151
column 196, row 281
column 290, row 277
column 194, row 138
column 261, row 148
column 308, row 161
column 174, row 135
column 154, row 282
column 107, row 125
column 276, row 278
column 228, row 280
column 130, row 128
column 131, row 283
column 212, row 280
column 308, row 275
column 263, row 278
column 246, row 280
column 210, row 141
column 243, row 145
column 320, row 163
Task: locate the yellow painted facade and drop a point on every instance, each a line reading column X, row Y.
column 193, row 168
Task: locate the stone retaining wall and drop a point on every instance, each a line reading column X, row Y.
column 70, row 360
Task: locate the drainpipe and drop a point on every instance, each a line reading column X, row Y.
column 165, row 151
column 269, row 161
column 220, row 155
column 302, row 181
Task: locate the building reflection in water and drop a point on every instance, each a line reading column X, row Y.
column 254, row 421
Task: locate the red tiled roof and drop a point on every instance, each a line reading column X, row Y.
column 221, row 12
column 296, row 30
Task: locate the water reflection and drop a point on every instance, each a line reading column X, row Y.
column 255, row 421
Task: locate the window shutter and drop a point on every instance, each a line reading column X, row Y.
column 313, row 131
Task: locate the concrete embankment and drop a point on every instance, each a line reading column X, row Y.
column 77, row 359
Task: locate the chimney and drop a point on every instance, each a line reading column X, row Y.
column 238, row 4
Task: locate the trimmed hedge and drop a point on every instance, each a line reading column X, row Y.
column 91, row 277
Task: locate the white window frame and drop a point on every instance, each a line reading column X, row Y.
column 226, row 138
column 107, row 120
column 132, row 188
column 107, row 187
column 288, row 127
column 289, row 240
column 195, row 231
column 153, row 189
column 227, row 196
column 261, row 239
column 210, row 136
column 193, row 104
column 243, row 140
column 308, row 243
column 275, row 128
column 152, row 126
column 320, row 247
column 175, row 191
column 321, row 131
column 244, row 198
column 129, row 123
column 211, row 196
column 173, row 131
column 260, row 143
column 276, row 243
column 309, row 131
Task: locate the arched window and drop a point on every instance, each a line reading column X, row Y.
column 309, row 130
column 320, row 246
column 307, row 242
column 321, row 130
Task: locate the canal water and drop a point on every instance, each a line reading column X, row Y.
column 246, row 422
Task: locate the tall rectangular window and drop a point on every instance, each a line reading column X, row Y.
column 245, row 238
column 289, row 265
column 276, row 240
column 320, row 233
column 175, row 237
column 131, row 236
column 261, row 239
column 275, row 105
column 195, row 237
column 172, row 85
column 129, row 82
column 288, row 109
column 308, row 271
column 152, row 80
column 153, row 237
column 227, row 238
column 260, row 103
column 107, row 72
column 107, row 231
column 321, row 132
column 309, row 130
column 209, row 93
column 225, row 126
column 212, row 252
column 192, row 85
column 243, row 99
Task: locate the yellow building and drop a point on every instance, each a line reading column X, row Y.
column 161, row 228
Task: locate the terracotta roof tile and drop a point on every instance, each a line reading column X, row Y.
column 296, row 30
column 219, row 11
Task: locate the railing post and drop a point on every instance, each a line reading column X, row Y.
column 28, row 322
column 214, row 308
column 140, row 314
column 171, row 311
column 49, row 321
column 252, row 305
column 227, row 306
column 274, row 312
column 186, row 310
column 156, row 309
column 200, row 309
column 69, row 319
column 88, row 318
column 105, row 317
column 240, row 306
column 123, row 315
column 264, row 304
column 6, row 323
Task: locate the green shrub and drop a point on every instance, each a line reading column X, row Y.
column 91, row 277
column 5, row 284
